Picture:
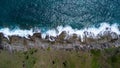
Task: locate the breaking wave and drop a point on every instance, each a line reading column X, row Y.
column 57, row 31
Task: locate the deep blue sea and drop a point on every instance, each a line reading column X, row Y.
column 49, row 14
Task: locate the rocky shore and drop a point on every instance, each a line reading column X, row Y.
column 107, row 39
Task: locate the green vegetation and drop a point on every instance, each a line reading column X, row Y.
column 96, row 54
column 38, row 58
column 29, row 58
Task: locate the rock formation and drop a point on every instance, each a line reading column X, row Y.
column 62, row 41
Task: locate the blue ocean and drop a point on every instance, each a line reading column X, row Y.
column 23, row 17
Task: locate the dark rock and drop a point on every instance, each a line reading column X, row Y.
column 105, row 45
column 38, row 35
column 62, row 37
column 77, row 47
column 114, row 36
column 72, row 39
column 88, row 37
column 52, row 38
column 47, row 37
column 15, row 38
column 1, row 35
column 63, row 41
column 74, row 36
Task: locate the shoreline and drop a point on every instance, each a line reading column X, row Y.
column 62, row 42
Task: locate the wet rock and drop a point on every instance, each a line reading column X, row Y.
column 35, row 36
column 88, row 37
column 107, row 36
column 1, row 35
column 72, row 38
column 62, row 37
column 47, row 37
column 63, row 41
column 38, row 35
column 114, row 36
column 52, row 38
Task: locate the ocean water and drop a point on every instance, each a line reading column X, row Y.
column 25, row 17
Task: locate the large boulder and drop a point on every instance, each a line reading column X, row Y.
column 37, row 35
column 62, row 37
column 73, row 39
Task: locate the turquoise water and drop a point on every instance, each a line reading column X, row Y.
column 47, row 14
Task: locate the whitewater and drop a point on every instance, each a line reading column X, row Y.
column 57, row 31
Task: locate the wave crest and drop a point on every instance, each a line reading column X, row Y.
column 91, row 31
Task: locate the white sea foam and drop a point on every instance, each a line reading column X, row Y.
column 95, row 31
column 23, row 33
column 70, row 30
column 55, row 32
